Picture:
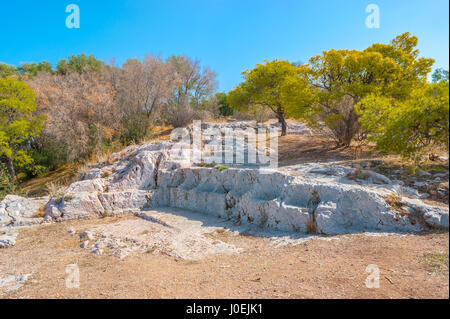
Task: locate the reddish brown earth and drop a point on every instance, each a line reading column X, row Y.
column 413, row 266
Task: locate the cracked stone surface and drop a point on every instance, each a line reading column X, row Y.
column 143, row 178
column 11, row 283
column 171, row 232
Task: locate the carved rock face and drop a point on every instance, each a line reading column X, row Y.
column 145, row 177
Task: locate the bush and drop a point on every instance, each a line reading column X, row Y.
column 408, row 127
column 136, row 127
column 7, row 186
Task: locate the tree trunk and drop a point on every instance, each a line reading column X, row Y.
column 282, row 120
column 10, row 167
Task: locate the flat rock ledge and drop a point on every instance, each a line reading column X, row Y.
column 318, row 198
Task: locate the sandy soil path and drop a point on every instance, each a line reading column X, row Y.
column 225, row 261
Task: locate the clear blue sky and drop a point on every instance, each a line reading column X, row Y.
column 227, row 35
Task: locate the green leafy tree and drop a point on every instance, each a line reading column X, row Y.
column 224, row 106
column 80, row 63
column 411, row 71
column 32, row 69
column 7, row 70
column 440, row 75
column 17, row 123
column 408, row 127
column 345, row 77
column 270, row 85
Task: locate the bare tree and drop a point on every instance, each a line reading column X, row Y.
column 145, row 85
column 195, row 88
column 80, row 110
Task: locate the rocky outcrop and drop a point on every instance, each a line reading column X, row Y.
column 16, row 211
column 335, row 199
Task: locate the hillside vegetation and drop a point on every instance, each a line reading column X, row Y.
column 377, row 99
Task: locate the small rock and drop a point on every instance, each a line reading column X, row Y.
column 84, row 244
column 420, row 184
column 443, row 186
column 409, row 209
column 424, row 195
column 121, row 253
column 86, row 235
column 97, row 251
column 409, row 191
column 100, row 245
column 442, row 193
column 92, row 174
column 365, row 164
column 379, row 178
column 71, row 231
column 423, row 173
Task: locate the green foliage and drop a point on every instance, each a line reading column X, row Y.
column 7, row 185
column 406, row 115
column 408, row 127
column 224, row 107
column 17, row 123
column 410, row 71
column 136, row 127
column 32, row 69
column 298, row 97
column 80, row 63
column 440, row 75
column 345, row 77
column 262, row 86
column 276, row 85
column 7, row 70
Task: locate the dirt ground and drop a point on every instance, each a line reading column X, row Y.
column 299, row 149
column 410, row 266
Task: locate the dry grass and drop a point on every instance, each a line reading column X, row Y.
column 299, row 149
column 40, row 212
column 39, row 186
column 394, row 201
column 160, row 133
column 358, row 174
column 55, row 190
column 311, row 227
column 437, row 262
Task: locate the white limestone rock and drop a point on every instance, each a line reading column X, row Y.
column 86, row 235
column 7, row 237
column 5, row 219
column 11, row 283
column 19, row 211
column 93, row 174
column 82, row 206
column 84, row 244
column 432, row 215
column 145, row 177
